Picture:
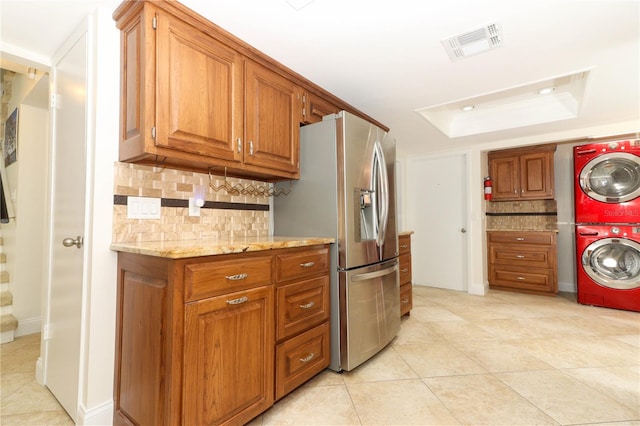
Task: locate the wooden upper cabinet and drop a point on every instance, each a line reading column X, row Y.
column 522, row 174
column 272, row 137
column 315, row 107
column 200, row 99
column 195, row 97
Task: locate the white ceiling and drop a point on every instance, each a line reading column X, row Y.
column 386, row 57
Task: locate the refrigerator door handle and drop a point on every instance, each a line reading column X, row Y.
column 382, row 193
column 376, row 274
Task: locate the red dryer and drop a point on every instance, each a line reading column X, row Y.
column 609, row 265
column 607, row 182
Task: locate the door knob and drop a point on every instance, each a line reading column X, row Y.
column 68, row 242
column 463, row 230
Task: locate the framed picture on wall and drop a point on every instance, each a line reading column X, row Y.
column 11, row 138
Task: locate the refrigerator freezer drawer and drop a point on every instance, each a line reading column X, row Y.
column 370, row 312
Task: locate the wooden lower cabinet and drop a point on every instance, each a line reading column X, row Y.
column 406, row 289
column 523, row 261
column 196, row 338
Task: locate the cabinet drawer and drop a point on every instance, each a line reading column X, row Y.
column 301, row 264
column 404, row 244
column 522, row 237
column 301, row 306
column 532, row 279
column 406, row 298
column 405, row 269
column 224, row 276
column 523, row 255
column 300, row 358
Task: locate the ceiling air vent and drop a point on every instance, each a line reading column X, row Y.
column 473, row 42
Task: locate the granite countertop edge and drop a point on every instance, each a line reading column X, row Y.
column 210, row 247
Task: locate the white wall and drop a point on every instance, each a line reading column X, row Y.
column 27, row 179
column 566, row 219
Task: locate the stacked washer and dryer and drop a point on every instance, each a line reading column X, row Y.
column 607, row 209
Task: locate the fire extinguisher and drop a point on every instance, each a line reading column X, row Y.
column 487, row 188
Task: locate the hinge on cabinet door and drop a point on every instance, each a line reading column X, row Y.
column 154, row 23
column 153, row 132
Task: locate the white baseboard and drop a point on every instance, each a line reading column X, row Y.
column 100, row 415
column 29, row 326
column 7, row 336
column 478, row 289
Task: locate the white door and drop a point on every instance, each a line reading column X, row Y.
column 68, row 222
column 437, row 213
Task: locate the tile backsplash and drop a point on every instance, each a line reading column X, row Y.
column 224, row 216
column 534, row 215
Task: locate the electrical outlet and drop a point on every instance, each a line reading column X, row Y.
column 143, row 208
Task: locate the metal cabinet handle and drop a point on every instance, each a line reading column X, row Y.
column 520, row 256
column 404, row 300
column 237, row 301
column 68, row 242
column 307, row 264
column 237, row 277
column 308, row 357
column 521, row 278
column 308, row 305
column 250, row 147
column 520, row 239
column 239, row 143
column 404, row 270
column 404, row 245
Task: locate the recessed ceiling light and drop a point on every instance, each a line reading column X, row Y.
column 468, row 107
column 546, row 90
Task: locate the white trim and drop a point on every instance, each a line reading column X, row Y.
column 567, row 287
column 29, row 326
column 40, row 371
column 99, row 415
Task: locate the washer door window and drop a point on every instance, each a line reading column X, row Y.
column 613, row 263
column 612, row 178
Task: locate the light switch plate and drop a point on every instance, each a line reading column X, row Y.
column 143, row 208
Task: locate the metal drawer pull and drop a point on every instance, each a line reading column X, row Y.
column 308, row 357
column 237, row 277
column 404, row 270
column 521, row 278
column 520, row 239
column 237, row 301
column 520, row 256
column 404, row 246
column 307, row 265
column 405, row 300
column 308, row 305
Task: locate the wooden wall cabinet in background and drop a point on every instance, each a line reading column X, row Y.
column 522, row 173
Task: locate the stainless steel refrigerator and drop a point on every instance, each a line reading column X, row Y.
column 347, row 191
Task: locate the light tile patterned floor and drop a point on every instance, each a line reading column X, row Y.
column 502, row 359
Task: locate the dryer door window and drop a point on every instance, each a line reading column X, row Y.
column 612, row 178
column 613, row 263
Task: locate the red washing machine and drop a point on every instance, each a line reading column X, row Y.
column 607, row 182
column 609, row 265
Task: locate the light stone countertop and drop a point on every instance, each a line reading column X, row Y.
column 208, row 247
column 402, row 233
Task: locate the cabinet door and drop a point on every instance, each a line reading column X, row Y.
column 229, row 358
column 199, row 103
column 536, row 175
column 272, row 120
column 505, row 175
